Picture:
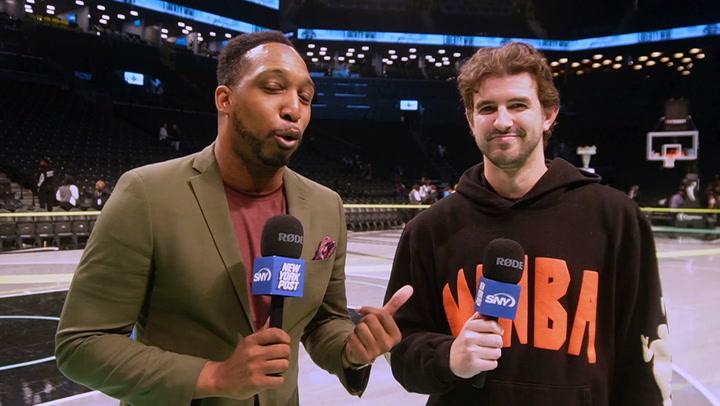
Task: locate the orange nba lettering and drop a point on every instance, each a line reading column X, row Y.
column 586, row 315
column 458, row 313
column 552, row 279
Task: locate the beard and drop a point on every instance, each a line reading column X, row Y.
column 253, row 147
column 503, row 158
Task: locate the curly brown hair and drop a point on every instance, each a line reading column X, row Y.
column 511, row 59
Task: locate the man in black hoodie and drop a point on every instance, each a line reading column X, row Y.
column 591, row 326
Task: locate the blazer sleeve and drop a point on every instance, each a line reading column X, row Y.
column 113, row 278
column 325, row 336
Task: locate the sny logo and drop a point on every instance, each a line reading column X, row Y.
column 263, row 275
column 501, row 299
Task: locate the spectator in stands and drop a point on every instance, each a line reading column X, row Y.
column 448, row 191
column 414, row 196
column 634, row 193
column 163, row 133
column 174, row 137
column 170, row 257
column 46, row 184
column 102, row 194
column 68, row 193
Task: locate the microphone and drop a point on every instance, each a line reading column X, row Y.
column 280, row 272
column 498, row 292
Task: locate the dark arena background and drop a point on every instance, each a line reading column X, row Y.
column 88, row 84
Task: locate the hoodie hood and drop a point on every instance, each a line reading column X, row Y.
column 560, row 177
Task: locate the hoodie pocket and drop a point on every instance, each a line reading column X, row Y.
column 515, row 393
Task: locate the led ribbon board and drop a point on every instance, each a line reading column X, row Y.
column 696, row 31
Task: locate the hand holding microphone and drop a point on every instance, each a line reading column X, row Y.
column 259, row 359
column 477, row 347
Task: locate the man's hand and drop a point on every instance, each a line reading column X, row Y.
column 377, row 332
column 477, row 348
column 249, row 369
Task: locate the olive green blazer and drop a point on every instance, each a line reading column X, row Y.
column 163, row 259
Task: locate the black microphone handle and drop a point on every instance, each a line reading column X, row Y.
column 478, row 381
column 276, row 310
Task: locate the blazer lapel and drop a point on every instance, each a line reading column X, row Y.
column 210, row 194
column 298, row 206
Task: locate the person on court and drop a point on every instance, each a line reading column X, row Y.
column 591, row 326
column 170, row 260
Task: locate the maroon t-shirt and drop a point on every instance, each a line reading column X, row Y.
column 249, row 213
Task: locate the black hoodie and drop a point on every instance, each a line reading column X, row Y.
column 590, row 314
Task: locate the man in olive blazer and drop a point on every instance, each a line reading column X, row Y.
column 164, row 260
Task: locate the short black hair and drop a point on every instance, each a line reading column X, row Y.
column 230, row 61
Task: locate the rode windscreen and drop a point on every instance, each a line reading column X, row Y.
column 280, row 271
column 498, row 293
column 282, row 236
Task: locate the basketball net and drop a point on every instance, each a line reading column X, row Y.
column 669, row 161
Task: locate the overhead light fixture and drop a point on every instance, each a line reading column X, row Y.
column 618, row 58
column 228, row 35
column 360, row 56
column 700, row 56
column 309, row 53
column 606, row 62
column 365, row 48
column 404, row 59
column 314, row 59
column 134, row 13
column 186, row 32
column 341, row 58
column 323, row 48
column 596, row 65
column 579, row 72
column 617, row 66
column 105, row 17
column 441, row 51
column 327, row 58
column 391, row 51
column 412, row 50
column 585, row 60
column 101, row 7
column 212, row 33
column 575, row 64
column 393, row 56
column 80, row 2
column 554, row 63
column 351, row 60
column 311, row 46
column 637, row 67
column 664, row 59
column 685, row 72
column 597, row 56
column 413, row 56
column 687, row 59
column 695, row 50
column 163, row 36
column 351, row 50
column 656, row 54
column 189, row 28
column 164, row 30
column 678, row 55
column 563, row 60
column 389, row 62
column 642, row 58
column 103, row 21
column 181, row 24
column 650, row 63
column 438, row 64
column 121, row 16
